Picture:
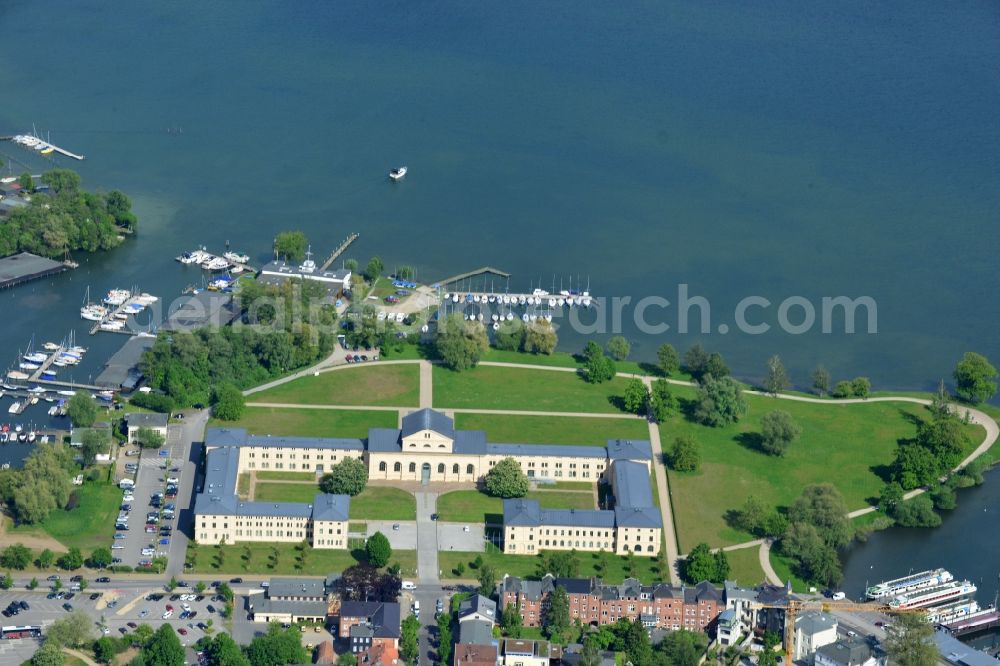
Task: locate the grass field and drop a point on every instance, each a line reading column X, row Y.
column 472, row 506
column 493, row 387
column 310, row 422
column 258, row 558
column 274, row 475
column 744, row 566
column 91, row 522
column 371, row 384
column 847, row 445
column 374, row 502
column 552, row 429
column 645, row 568
column 383, row 503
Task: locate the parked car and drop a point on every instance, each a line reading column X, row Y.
column 68, row 607
column 103, row 579
column 95, row 596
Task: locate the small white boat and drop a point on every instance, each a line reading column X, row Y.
column 236, row 257
column 68, row 394
column 37, row 357
column 14, row 408
column 570, row 301
column 552, row 302
column 31, row 437
column 561, row 302
column 496, row 326
column 116, row 297
column 398, row 174
column 510, row 316
column 28, row 366
column 14, row 374
column 524, row 317
column 50, row 346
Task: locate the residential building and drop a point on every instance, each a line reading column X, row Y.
column 849, row 652
column 363, row 623
column 427, row 448
column 476, row 632
column 146, row 420
column 477, row 607
column 659, row 606
column 381, row 652
column 523, row 652
column 475, row 655
column 759, row 608
column 291, row 600
column 812, row 631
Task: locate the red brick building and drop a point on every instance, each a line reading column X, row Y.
column 661, row 606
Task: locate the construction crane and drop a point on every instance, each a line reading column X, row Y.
column 795, row 606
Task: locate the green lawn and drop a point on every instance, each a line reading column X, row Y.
column 310, row 422
column 272, row 475
column 91, row 522
column 368, row 384
column 256, row 558
column 645, row 568
column 569, row 485
column 847, row 445
column 552, row 429
column 472, row 506
column 494, row 387
column 286, row 492
column 383, row 503
column 744, row 566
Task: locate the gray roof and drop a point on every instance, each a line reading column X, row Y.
column 239, row 437
column 428, row 419
column 123, row 364
column 215, row 437
column 471, row 442
column 331, row 507
column 384, row 440
column 207, row 308
column 645, row 516
column 147, row 420
column 575, row 585
column 478, row 604
column 298, row 608
column 630, row 449
column 703, row 591
column 532, row 589
column 384, row 617
column 297, row 587
column 527, row 513
column 521, row 512
column 632, row 488
column 812, row 623
column 850, row 652
column 566, row 451
column 476, row 632
column 284, row 269
column 958, row 653
column 24, row 266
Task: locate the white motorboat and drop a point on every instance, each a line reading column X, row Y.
column 237, row 258
column 28, row 366
column 14, row 408
column 116, row 297
column 398, row 173
column 50, row 346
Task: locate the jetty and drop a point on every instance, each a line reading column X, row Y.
column 338, row 251
column 986, row 620
column 134, row 303
column 37, row 374
column 42, row 146
column 471, row 274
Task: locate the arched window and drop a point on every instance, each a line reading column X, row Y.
column 398, row 467
column 469, row 469
column 638, row 548
column 650, row 549
column 440, row 468
column 413, row 467
column 454, row 468
column 382, row 467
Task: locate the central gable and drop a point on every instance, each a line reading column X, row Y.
column 427, row 430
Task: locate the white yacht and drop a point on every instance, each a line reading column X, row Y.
column 398, row 174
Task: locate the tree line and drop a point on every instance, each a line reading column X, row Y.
column 65, row 218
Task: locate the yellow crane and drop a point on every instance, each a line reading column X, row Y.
column 795, row 606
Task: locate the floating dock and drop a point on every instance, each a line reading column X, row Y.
column 41, row 146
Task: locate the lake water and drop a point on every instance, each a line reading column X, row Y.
column 770, row 150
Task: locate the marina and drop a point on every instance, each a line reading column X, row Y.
column 113, row 313
column 232, row 262
column 43, row 147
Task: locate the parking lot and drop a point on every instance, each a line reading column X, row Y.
column 453, row 536
column 114, row 608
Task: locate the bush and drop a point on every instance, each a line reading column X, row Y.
column 842, row 390
column 917, row 512
column 154, row 401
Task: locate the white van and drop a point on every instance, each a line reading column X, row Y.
column 409, row 585
column 838, row 596
column 416, row 607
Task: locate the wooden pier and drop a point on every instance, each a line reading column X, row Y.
column 46, row 147
column 45, row 366
column 472, row 274
column 339, row 251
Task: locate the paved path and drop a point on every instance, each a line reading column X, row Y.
column 426, row 384
column 764, row 556
column 663, row 491
column 427, row 542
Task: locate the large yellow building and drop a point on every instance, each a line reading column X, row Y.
column 426, row 449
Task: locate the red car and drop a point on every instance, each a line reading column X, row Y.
column 169, row 607
column 133, row 625
column 182, row 631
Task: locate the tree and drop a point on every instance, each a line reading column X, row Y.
column 975, row 378
column 374, row 269
column 511, row 620
column 142, row 634
column 510, row 336
column 916, row 512
column 750, row 516
column 7, row 581
column 590, row 656
column 347, row 659
column 815, row 560
column 776, row 379
column 222, row 650
column 667, row 359
column 636, row 396
column 26, row 182
column 277, row 646
column 33, row 583
column 62, row 180
column 540, row 338
column 291, row 245
column 460, row 343
column 82, row 410
column 46, row 558
column 378, row 549
column 506, row 480
column 444, row 638
column 721, row 566
column 822, row 506
column 778, row 431
column 487, row 577
column 561, row 564
column 661, row 400
column 92, row 443
column 914, row 466
column 619, row 348
column 945, row 438
column 719, row 402
column 555, row 618
column 15, row 556
column 348, row 477
column 71, row 560
column 842, row 389
column 600, row 369
column 50, row 654
column 943, row 496
column 105, row 649
column 683, row 647
column 228, row 403
column 716, row 366
column 72, row 630
column 351, row 265
column 861, row 387
column 891, row 495
column 695, row 361
column 685, row 455
column 699, row 565
column 409, row 645
column 636, row 643
column 148, row 438
column 767, row 655
column 821, row 380
column 910, row 641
